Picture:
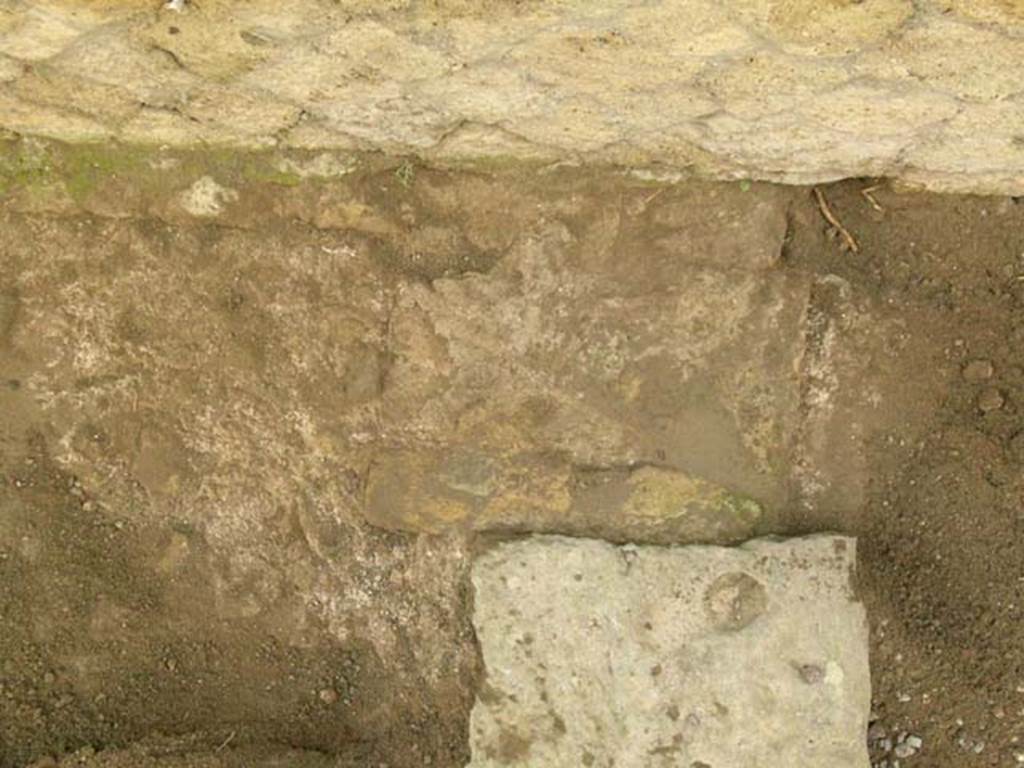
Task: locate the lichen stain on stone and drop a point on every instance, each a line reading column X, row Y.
column 469, row 488
column 661, row 494
column 84, row 171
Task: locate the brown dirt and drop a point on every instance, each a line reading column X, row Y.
column 132, row 622
column 942, row 561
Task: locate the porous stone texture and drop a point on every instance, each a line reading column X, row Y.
column 603, row 656
column 791, row 90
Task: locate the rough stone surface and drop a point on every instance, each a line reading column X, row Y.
column 799, row 91
column 604, row 656
column 471, row 359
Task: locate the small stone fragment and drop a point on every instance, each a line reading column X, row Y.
column 990, row 399
column 328, row 696
column 978, row 370
column 967, row 743
column 907, row 747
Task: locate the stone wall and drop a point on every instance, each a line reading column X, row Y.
column 927, row 91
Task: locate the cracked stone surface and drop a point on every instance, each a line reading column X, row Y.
column 798, row 91
column 605, row 656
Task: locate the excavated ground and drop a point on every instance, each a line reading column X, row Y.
column 223, row 378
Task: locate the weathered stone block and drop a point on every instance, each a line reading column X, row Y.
column 698, row 657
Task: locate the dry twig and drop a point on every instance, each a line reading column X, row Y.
column 830, row 217
column 866, row 192
column 225, row 742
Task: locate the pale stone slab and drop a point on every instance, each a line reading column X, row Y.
column 698, row 657
column 800, row 91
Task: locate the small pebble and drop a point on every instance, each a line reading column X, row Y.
column 903, row 750
column 990, row 399
column 908, row 746
column 968, row 744
column 328, row 696
column 978, row 370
